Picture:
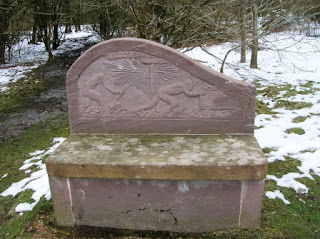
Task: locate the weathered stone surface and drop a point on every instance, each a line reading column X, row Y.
column 138, row 86
column 171, row 205
column 251, row 204
column 188, row 206
column 192, row 157
column 61, row 198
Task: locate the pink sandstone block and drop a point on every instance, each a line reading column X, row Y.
column 170, row 205
column 61, row 199
column 250, row 212
column 129, row 86
column 185, row 206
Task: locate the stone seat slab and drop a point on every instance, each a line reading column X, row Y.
column 163, row 157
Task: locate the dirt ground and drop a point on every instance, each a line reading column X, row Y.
column 44, row 227
column 45, row 103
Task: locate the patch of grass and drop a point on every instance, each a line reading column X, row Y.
column 280, row 168
column 21, row 94
column 274, row 90
column 268, row 150
column 308, row 151
column 16, row 224
column 291, row 105
column 309, row 89
column 296, row 220
column 12, row 154
column 295, row 130
column 262, row 108
column 300, row 119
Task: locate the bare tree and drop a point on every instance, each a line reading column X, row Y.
column 255, row 37
column 7, row 8
column 243, row 32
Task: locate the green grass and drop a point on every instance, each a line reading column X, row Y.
column 12, row 154
column 274, row 90
column 262, row 108
column 295, row 130
column 280, row 168
column 292, row 105
column 267, row 150
column 300, row 119
column 21, row 94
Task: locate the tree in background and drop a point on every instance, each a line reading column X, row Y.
column 181, row 23
column 255, row 37
column 7, row 9
column 106, row 17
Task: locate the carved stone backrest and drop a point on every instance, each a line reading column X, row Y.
column 135, row 86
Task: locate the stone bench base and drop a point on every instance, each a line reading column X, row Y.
column 182, row 206
column 172, row 183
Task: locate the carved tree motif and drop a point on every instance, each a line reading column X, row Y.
column 143, row 76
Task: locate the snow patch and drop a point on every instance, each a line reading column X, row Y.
column 37, row 181
column 276, row 194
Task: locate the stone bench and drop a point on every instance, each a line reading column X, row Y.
column 158, row 142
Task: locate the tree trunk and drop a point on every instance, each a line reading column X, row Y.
column 2, row 48
column 34, row 35
column 35, row 30
column 77, row 18
column 103, row 28
column 40, row 35
column 78, row 27
column 56, row 42
column 4, row 25
column 254, row 47
column 47, row 42
column 68, row 12
column 68, row 29
column 243, row 33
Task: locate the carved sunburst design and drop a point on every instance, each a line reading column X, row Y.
column 142, row 76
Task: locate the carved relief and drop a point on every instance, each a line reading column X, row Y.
column 91, row 94
column 131, row 85
column 166, row 94
column 147, row 88
column 143, row 76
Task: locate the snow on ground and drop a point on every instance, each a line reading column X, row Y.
column 287, row 59
column 12, row 74
column 37, row 181
column 277, row 194
column 29, row 56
